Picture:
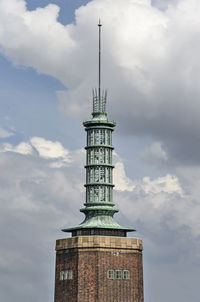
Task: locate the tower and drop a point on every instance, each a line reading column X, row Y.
column 99, row 263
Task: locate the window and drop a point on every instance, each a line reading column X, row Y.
column 107, row 175
column 96, row 194
column 96, row 137
column 101, row 155
column 102, row 174
column 107, row 193
column 110, row 157
column 62, row 275
column 126, row 275
column 107, row 156
column 110, row 274
column 91, row 194
column 91, row 157
column 91, row 173
column 66, row 275
column 118, row 274
column 102, row 193
column 102, row 137
column 69, row 275
column 96, row 175
column 109, row 136
column 96, row 156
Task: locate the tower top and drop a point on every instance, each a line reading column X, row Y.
column 99, row 207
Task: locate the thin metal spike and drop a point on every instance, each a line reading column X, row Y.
column 99, row 87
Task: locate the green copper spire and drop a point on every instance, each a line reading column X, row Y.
column 99, row 207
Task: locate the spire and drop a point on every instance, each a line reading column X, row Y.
column 99, row 88
column 99, row 207
column 99, row 96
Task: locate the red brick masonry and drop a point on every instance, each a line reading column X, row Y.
column 90, row 257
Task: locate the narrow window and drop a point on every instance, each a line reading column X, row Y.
column 101, row 193
column 109, row 194
column 96, row 156
column 91, row 175
column 101, row 137
column 107, row 156
column 66, row 274
column 62, row 273
column 88, row 157
column 101, row 155
column 92, row 137
column 110, row 157
column 102, row 174
column 96, row 194
column 104, row 156
column 89, row 137
column 118, row 274
column 96, row 175
column 110, row 174
column 91, row 194
column 87, row 195
column 110, row 274
column 96, row 137
column 70, row 275
column 126, row 275
column 108, row 137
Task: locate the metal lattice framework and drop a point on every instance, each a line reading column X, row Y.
column 99, row 104
column 99, row 176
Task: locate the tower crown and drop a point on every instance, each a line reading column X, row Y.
column 99, row 207
column 99, row 103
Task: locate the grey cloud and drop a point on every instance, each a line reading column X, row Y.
column 163, row 4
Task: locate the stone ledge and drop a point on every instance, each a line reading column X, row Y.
column 105, row 242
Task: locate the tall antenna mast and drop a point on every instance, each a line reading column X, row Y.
column 99, row 88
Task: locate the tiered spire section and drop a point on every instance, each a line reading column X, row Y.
column 99, row 207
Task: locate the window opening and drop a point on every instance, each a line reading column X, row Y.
column 126, row 275
column 66, row 275
column 110, row 274
column 118, row 274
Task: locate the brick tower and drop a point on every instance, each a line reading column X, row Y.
column 99, row 263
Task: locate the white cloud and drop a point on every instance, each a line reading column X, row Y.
column 45, row 149
column 168, row 184
column 4, row 133
column 37, row 37
column 22, row 148
column 120, row 179
column 49, row 149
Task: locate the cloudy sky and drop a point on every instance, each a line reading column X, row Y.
column 151, row 67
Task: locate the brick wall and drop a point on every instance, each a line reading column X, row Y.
column 90, row 258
